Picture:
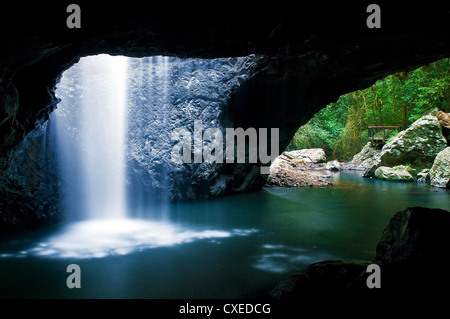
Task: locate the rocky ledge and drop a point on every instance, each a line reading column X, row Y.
column 300, row 168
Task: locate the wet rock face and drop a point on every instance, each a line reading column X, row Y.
column 170, row 94
column 29, row 184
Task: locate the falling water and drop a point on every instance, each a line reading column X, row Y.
column 110, row 107
column 151, row 109
column 91, row 127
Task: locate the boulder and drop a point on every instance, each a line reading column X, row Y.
column 365, row 158
column 415, row 233
column 413, row 249
column 311, row 155
column 290, row 169
column 333, row 165
column 291, row 177
column 423, row 176
column 416, row 146
column 396, row 173
column 444, row 122
column 440, row 171
column 304, row 157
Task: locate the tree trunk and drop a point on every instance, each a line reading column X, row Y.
column 402, row 76
column 404, row 113
column 378, row 105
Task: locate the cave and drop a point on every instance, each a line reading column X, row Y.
column 286, row 65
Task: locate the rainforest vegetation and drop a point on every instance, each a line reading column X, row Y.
column 399, row 99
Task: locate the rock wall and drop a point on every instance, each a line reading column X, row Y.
column 29, row 184
column 166, row 94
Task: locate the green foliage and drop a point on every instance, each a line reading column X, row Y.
column 397, row 100
column 352, row 140
column 391, row 135
column 427, row 88
column 309, row 136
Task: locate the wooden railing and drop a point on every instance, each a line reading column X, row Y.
column 377, row 134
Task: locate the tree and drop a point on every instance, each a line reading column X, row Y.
column 402, row 76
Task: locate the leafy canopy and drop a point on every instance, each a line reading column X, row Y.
column 397, row 100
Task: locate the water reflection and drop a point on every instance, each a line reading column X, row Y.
column 104, row 237
column 282, row 258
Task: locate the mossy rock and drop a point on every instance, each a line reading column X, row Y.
column 397, row 173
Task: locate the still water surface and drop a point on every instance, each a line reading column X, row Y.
column 234, row 247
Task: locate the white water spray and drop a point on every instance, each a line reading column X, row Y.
column 98, row 86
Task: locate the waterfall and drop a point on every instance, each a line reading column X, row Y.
column 113, row 108
column 91, row 123
column 111, row 135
